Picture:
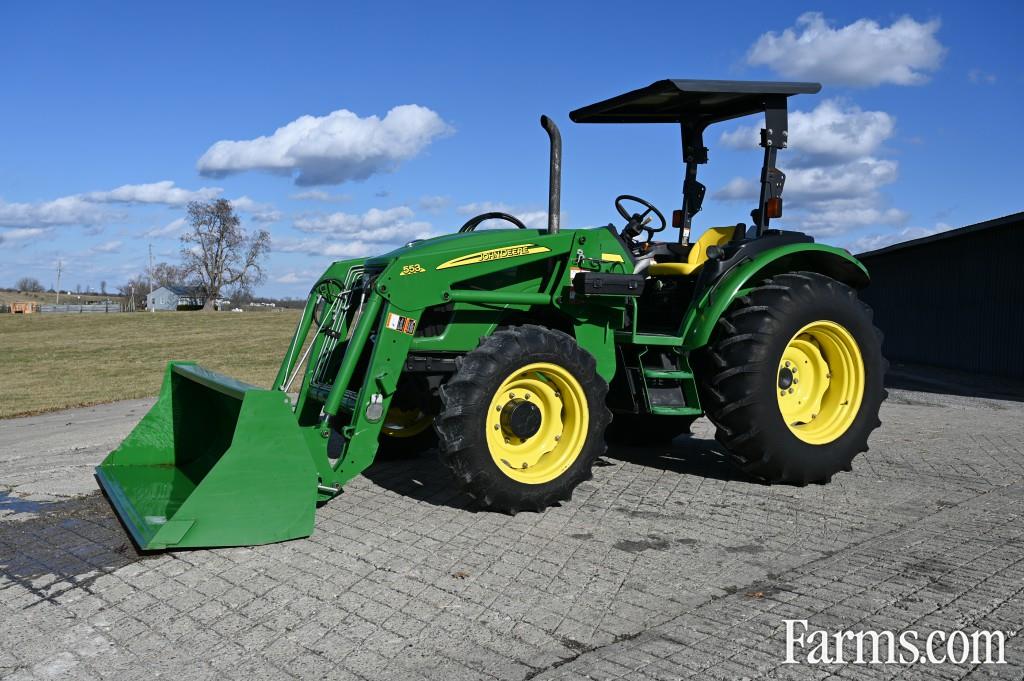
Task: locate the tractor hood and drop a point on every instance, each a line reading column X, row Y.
column 461, row 244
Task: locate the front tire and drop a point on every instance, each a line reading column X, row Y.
column 793, row 378
column 523, row 419
column 408, row 429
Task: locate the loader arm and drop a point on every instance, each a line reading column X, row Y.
column 356, row 358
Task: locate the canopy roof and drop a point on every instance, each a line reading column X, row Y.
column 698, row 102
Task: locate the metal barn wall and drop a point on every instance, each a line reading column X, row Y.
column 954, row 302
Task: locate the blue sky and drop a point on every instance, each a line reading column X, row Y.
column 112, row 114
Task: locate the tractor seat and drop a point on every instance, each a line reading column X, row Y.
column 714, row 236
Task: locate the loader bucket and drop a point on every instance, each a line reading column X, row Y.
column 215, row 462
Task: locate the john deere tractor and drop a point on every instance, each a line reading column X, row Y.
column 512, row 350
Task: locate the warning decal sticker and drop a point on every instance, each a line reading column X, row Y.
column 401, row 324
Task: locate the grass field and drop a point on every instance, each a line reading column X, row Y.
column 55, row 361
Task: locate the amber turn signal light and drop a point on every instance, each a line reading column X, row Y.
column 773, row 207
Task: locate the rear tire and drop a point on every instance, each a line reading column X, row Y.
column 778, row 429
column 524, row 381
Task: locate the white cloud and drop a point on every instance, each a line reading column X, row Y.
column 862, row 53
column 330, row 149
column 259, row 212
column 291, row 278
column 833, row 176
column 321, row 195
column 163, row 192
column 838, row 216
column 433, row 204
column 68, row 210
column 350, row 250
column 534, row 219
column 737, row 189
column 22, row 234
column 856, row 178
column 83, row 209
column 108, row 247
column 828, row 132
column 876, row 241
column 172, row 227
column 978, row 76
column 389, row 224
column 319, row 247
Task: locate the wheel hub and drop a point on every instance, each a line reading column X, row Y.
column 536, row 423
column 521, row 418
column 820, row 382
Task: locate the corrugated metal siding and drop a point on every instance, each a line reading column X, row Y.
column 955, row 303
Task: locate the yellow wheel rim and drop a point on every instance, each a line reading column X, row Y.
column 405, row 422
column 820, row 382
column 552, row 393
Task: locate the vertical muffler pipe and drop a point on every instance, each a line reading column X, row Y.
column 555, row 176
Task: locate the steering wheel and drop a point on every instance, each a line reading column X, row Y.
column 472, row 223
column 635, row 223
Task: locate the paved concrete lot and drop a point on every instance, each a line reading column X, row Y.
column 668, row 564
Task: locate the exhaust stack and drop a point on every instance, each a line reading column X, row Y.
column 555, row 177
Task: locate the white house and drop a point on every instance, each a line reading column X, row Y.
column 175, row 298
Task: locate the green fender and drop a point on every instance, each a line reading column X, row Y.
column 834, row 262
column 597, row 337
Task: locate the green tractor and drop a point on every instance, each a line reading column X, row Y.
column 512, row 350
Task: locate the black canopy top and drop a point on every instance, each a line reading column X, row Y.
column 698, row 102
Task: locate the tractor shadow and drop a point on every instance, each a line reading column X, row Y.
column 686, row 455
column 422, row 478
column 425, row 478
column 62, row 546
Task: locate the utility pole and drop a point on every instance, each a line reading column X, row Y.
column 59, row 266
column 152, row 308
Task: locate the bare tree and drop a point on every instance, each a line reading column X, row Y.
column 28, row 285
column 218, row 253
column 166, row 274
column 134, row 292
column 240, row 296
column 103, row 287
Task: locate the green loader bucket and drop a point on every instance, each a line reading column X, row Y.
column 215, row 462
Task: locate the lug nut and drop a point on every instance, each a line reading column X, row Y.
column 496, row 426
column 796, row 380
column 497, row 408
column 526, row 396
column 790, row 391
column 511, row 396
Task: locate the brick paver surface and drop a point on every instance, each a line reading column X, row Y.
column 668, row 564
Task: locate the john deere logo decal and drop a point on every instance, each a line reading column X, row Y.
column 494, row 254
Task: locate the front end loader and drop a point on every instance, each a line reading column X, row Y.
column 512, row 350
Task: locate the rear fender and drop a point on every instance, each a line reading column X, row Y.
column 705, row 312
